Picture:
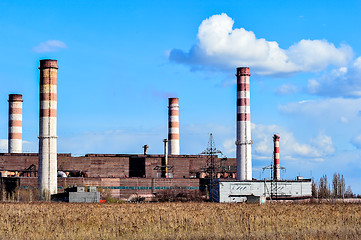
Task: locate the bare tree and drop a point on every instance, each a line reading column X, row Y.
column 349, row 193
column 324, row 188
column 341, row 188
column 335, row 185
column 314, row 188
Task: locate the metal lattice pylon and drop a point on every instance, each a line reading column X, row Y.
column 211, row 166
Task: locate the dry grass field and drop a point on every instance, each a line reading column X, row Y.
column 179, row 221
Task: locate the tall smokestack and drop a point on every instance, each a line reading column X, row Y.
column 15, row 142
column 47, row 178
column 276, row 157
column 244, row 142
column 173, row 126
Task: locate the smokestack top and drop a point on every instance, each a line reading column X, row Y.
column 15, row 98
column 173, row 101
column 276, row 137
column 48, row 63
column 243, row 71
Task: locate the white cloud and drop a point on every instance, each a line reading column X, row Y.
column 31, row 147
column 356, row 141
column 221, row 47
column 330, row 110
column 229, row 146
column 3, row 145
column 342, row 81
column 286, row 89
column 50, row 46
column 344, row 120
column 290, row 149
column 323, row 145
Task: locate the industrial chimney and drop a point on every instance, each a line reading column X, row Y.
column 244, row 142
column 173, row 126
column 276, row 157
column 47, row 178
column 15, row 142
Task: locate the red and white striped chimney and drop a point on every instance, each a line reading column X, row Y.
column 244, row 142
column 15, row 138
column 47, row 178
column 173, row 126
column 276, row 157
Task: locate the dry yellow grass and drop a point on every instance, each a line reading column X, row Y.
column 179, row 221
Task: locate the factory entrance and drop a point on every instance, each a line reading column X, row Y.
column 136, row 166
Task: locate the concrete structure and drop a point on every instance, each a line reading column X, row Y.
column 81, row 197
column 15, row 138
column 78, row 195
column 243, row 142
column 240, row 191
column 173, row 126
column 256, row 199
column 276, row 157
column 47, row 128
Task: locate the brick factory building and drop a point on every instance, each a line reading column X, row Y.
column 122, row 174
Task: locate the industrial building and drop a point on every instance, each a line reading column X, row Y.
column 123, row 175
column 240, row 191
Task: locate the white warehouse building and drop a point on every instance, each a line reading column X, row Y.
column 240, row 191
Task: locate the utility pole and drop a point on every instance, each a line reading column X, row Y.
column 211, row 166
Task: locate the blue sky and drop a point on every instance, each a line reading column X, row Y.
column 119, row 61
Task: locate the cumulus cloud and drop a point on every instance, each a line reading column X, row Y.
column 50, row 46
column 220, row 47
column 291, row 149
column 342, row 81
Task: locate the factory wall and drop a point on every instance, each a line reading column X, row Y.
column 121, row 188
column 114, row 165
